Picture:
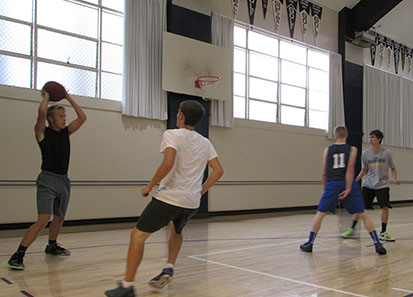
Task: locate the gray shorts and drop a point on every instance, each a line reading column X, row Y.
column 53, row 193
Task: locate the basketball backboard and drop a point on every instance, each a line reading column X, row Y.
column 185, row 59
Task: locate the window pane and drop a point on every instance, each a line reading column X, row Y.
column 293, row 74
column 262, row 43
column 67, row 49
column 111, row 86
column 21, row 11
column 292, row 116
column 292, row 95
column 318, row 80
column 318, row 60
column 15, row 37
column 292, row 52
column 112, row 57
column 239, row 107
column 114, row 4
column 263, row 66
column 239, row 60
column 112, row 28
column 240, row 37
column 262, row 111
column 262, row 89
column 15, row 71
column 318, row 100
column 239, row 84
column 77, row 81
column 78, row 19
column 318, row 119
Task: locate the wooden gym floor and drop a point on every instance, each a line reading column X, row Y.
column 248, row 255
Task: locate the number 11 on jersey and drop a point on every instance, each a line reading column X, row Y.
column 339, row 161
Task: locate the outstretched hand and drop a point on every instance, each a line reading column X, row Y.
column 343, row 194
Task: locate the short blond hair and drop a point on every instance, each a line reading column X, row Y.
column 51, row 110
column 340, row 132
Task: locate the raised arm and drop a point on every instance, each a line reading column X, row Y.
column 214, row 176
column 167, row 164
column 349, row 173
column 41, row 117
column 81, row 116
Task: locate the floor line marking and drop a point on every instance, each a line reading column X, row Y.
column 6, row 280
column 277, row 277
column 402, row 290
column 247, row 248
column 26, row 293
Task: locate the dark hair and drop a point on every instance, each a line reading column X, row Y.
column 379, row 135
column 193, row 112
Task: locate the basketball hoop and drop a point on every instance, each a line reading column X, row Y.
column 208, row 85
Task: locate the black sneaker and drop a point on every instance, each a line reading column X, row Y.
column 162, row 279
column 16, row 261
column 307, row 247
column 55, row 249
column 380, row 249
column 120, row 291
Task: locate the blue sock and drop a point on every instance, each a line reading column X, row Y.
column 373, row 235
column 312, row 237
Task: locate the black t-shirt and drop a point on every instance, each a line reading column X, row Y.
column 337, row 160
column 55, row 148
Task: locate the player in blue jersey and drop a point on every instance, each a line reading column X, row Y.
column 339, row 184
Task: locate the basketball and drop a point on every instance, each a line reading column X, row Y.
column 56, row 91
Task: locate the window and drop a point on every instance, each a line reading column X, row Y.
column 78, row 43
column 279, row 81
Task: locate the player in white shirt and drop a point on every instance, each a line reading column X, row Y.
column 186, row 154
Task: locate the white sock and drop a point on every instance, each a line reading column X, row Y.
column 126, row 284
column 169, row 265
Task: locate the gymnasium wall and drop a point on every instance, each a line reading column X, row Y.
column 267, row 165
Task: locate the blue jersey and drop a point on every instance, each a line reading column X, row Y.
column 337, row 160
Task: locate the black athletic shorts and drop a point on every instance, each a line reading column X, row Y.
column 158, row 214
column 382, row 195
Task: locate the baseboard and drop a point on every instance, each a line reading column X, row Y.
column 14, row 226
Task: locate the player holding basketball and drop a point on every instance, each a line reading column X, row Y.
column 376, row 162
column 338, row 183
column 185, row 156
column 53, row 184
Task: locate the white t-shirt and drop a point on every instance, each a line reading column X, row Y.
column 183, row 184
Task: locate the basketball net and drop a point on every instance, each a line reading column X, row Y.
column 208, row 85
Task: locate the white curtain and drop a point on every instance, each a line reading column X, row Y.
column 407, row 112
column 336, row 104
column 388, row 106
column 222, row 33
column 145, row 22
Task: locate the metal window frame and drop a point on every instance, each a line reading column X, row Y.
column 280, row 60
column 33, row 55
